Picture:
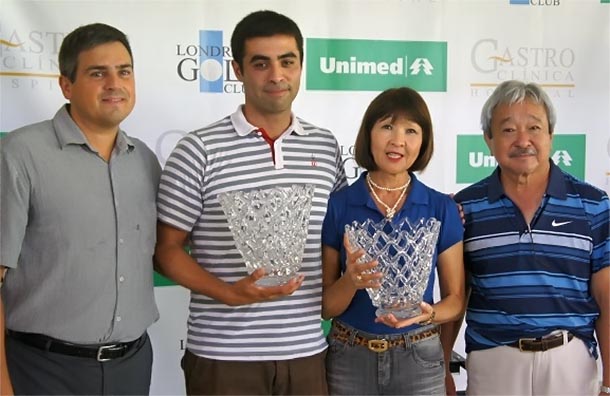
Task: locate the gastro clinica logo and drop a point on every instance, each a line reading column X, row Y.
column 352, row 65
column 474, row 161
column 29, row 59
column 209, row 63
column 494, row 61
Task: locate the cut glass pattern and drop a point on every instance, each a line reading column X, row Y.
column 404, row 253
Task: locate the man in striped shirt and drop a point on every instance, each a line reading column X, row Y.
column 244, row 338
column 537, row 251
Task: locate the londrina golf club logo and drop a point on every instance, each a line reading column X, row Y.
column 375, row 65
column 474, row 161
column 208, row 64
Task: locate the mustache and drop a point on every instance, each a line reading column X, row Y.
column 518, row 152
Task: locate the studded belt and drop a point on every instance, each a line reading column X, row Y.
column 344, row 334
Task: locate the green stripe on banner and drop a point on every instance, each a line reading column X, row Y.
column 160, row 280
column 2, row 134
column 326, row 326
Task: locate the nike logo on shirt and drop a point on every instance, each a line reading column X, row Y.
column 555, row 223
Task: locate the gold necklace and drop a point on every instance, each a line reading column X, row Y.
column 389, row 212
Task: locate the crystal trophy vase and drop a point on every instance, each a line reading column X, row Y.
column 404, row 253
column 270, row 229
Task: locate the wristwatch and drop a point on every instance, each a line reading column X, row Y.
column 604, row 389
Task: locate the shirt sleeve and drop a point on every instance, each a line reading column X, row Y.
column 14, row 203
column 180, row 196
column 599, row 217
column 452, row 230
column 341, row 178
column 332, row 235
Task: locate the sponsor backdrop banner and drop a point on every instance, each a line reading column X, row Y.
column 453, row 51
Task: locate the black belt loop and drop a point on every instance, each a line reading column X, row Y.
column 352, row 337
column 407, row 339
column 102, row 353
column 47, row 344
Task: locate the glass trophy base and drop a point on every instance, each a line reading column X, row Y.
column 274, row 280
column 400, row 312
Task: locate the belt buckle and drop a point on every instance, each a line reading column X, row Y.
column 378, row 345
column 521, row 343
column 101, row 350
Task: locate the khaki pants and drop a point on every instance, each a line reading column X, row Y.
column 565, row 370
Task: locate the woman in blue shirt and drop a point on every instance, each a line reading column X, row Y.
column 389, row 355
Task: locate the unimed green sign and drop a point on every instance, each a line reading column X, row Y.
column 375, row 65
column 474, row 162
column 160, row 280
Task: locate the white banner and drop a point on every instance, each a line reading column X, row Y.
column 453, row 51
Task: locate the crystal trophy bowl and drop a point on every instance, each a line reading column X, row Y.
column 404, row 252
column 270, row 229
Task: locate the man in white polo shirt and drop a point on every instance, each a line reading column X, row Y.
column 243, row 338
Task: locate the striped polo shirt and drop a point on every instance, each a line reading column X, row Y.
column 232, row 155
column 528, row 280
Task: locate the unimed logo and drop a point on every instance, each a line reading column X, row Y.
column 474, row 161
column 372, row 65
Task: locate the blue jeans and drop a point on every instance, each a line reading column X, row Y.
column 414, row 368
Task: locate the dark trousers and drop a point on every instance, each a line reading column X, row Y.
column 37, row 372
column 301, row 376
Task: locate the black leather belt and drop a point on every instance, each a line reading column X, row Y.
column 101, row 353
column 540, row 344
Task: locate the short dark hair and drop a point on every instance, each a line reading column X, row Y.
column 84, row 38
column 263, row 23
column 395, row 102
